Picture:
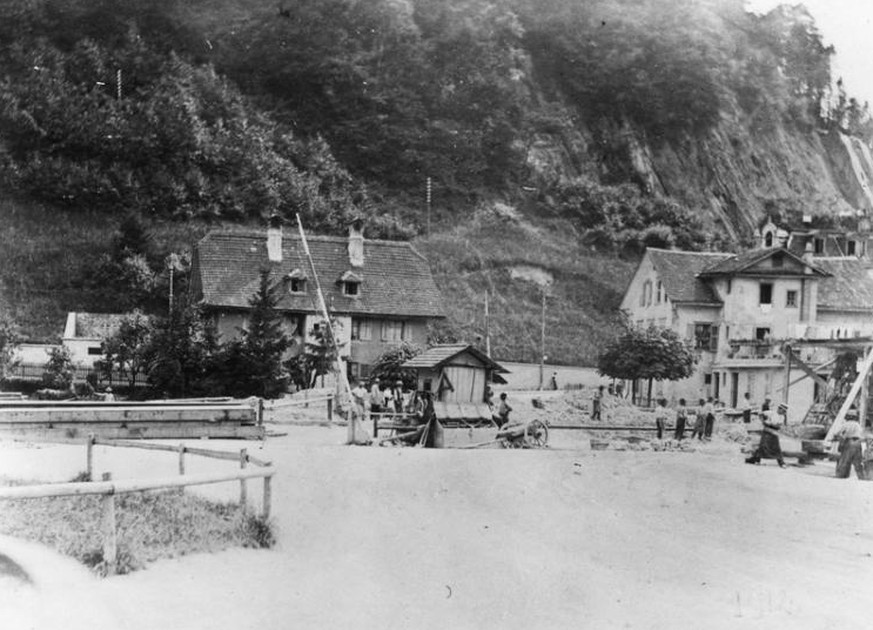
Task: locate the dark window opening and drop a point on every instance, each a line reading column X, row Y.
column 766, row 293
column 791, row 298
column 778, row 261
column 768, row 239
column 850, row 248
column 762, row 334
column 95, row 350
column 298, row 285
column 350, row 288
column 818, row 245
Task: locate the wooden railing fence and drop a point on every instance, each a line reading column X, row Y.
column 108, row 488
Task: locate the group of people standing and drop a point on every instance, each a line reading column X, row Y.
column 377, row 398
column 701, row 419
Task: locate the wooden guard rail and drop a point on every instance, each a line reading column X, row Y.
column 108, row 488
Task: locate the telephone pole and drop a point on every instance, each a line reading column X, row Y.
column 543, row 339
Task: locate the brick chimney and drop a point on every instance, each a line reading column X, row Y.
column 356, row 243
column 274, row 239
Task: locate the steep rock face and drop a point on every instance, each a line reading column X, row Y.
column 735, row 174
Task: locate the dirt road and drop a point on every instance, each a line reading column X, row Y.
column 559, row 538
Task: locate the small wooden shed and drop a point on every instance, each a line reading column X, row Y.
column 457, row 376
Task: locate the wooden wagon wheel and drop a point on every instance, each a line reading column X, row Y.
column 536, row 434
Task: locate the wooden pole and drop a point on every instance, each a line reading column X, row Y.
column 89, row 457
column 181, row 459
column 110, row 535
column 543, row 339
column 330, row 409
column 268, row 496
column 338, row 367
column 853, row 393
column 243, row 488
column 787, row 382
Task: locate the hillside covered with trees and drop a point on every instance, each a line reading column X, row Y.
column 602, row 126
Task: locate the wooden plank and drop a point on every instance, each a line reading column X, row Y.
column 863, row 371
column 165, row 414
column 45, row 434
column 123, row 486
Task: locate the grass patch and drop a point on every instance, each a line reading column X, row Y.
column 151, row 525
column 479, row 256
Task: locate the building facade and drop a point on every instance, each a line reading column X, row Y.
column 379, row 293
column 738, row 310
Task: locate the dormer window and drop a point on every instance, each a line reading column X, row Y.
column 351, row 283
column 296, row 281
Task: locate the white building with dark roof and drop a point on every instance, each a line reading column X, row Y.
column 380, row 293
column 739, row 309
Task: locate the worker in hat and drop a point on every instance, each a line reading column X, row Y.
column 108, row 395
column 851, row 447
column 769, row 446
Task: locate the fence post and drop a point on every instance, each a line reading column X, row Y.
column 110, row 539
column 268, row 496
column 330, row 409
column 243, row 489
column 181, row 459
column 90, row 456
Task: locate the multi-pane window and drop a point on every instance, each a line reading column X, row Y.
column 791, row 299
column 392, row 330
column 362, row 329
column 705, row 336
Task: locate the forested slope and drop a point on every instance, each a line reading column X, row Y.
column 586, row 130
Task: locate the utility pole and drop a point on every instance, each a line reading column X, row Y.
column 543, row 339
column 428, row 198
column 118, row 84
column 487, row 329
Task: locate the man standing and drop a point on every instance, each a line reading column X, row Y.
column 768, row 447
column 747, row 408
column 503, row 410
column 681, row 417
column 709, row 418
column 359, row 401
column 851, row 449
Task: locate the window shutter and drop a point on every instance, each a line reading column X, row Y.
column 689, row 332
column 713, row 338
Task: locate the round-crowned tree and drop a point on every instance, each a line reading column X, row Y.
column 651, row 353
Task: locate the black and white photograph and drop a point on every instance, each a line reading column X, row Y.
column 436, row 314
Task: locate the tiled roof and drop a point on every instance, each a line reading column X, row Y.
column 736, row 263
column 440, row 354
column 395, row 279
column 678, row 271
column 848, row 288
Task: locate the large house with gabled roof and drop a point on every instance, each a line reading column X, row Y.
column 379, row 293
column 738, row 309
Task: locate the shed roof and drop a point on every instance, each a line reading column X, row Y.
column 395, row 278
column 678, row 271
column 439, row 355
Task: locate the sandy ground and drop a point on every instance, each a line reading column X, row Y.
column 563, row 537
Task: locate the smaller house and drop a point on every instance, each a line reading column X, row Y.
column 458, row 376
column 84, row 334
